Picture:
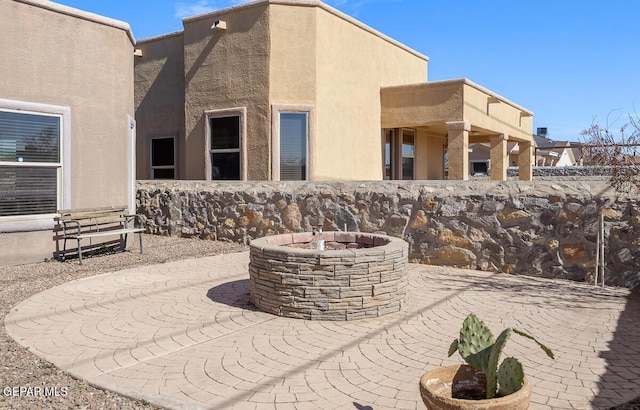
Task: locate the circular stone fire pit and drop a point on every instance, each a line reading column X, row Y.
column 359, row 275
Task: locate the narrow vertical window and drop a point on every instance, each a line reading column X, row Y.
column 163, row 158
column 293, row 146
column 388, row 154
column 225, row 147
column 408, row 153
column 30, row 163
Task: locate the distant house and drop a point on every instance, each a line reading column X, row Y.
column 480, row 154
column 67, row 129
column 547, row 153
column 556, row 153
column 296, row 90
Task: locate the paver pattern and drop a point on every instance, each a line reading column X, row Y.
column 184, row 335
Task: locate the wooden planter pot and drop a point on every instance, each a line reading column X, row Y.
column 436, row 391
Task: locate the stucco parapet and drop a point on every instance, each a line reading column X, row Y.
column 454, row 82
column 73, row 12
column 307, row 3
column 161, row 37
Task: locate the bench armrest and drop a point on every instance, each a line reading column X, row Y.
column 70, row 224
column 132, row 218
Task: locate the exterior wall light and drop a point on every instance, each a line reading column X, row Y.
column 219, row 25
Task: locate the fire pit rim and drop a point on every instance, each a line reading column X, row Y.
column 379, row 243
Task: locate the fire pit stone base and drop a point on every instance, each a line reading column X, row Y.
column 359, row 275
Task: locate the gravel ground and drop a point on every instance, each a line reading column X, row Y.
column 20, row 368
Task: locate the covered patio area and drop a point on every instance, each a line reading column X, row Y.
column 427, row 129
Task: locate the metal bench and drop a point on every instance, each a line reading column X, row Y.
column 90, row 223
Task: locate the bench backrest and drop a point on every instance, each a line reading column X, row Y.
column 111, row 212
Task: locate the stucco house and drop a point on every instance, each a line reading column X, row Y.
column 480, row 157
column 556, row 153
column 296, row 90
column 67, row 129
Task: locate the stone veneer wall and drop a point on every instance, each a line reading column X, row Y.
column 539, row 228
column 341, row 284
column 571, row 171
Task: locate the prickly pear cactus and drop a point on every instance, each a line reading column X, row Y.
column 510, row 376
column 479, row 350
column 474, row 344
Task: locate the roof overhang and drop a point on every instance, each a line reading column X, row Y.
column 432, row 105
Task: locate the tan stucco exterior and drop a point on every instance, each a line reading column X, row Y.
column 279, row 53
column 227, row 69
column 353, row 64
column 304, row 56
column 79, row 64
column 461, row 112
column 159, row 96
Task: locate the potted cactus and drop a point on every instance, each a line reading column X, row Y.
column 484, row 383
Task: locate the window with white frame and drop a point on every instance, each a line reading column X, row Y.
column 225, row 144
column 30, row 162
column 163, row 158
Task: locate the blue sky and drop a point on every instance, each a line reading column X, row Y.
column 571, row 63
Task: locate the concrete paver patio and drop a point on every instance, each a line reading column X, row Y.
column 183, row 335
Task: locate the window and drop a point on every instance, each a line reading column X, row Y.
column 225, row 147
column 389, row 151
column 163, row 158
column 30, row 161
column 293, row 146
column 292, row 131
column 408, row 153
column 399, row 153
column 225, row 144
column 480, row 167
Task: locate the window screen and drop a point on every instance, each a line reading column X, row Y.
column 293, row 146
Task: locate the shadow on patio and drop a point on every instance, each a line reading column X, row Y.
column 623, row 360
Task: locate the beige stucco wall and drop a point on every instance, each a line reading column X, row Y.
column 429, row 159
column 228, row 69
column 353, row 63
column 504, row 116
column 433, row 104
column 159, row 98
column 56, row 55
column 277, row 53
column 293, row 63
column 322, row 58
column 426, row 104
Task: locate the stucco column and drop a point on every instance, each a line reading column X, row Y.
column 499, row 157
column 525, row 159
column 458, row 149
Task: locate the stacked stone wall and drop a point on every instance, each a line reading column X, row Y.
column 341, row 284
column 569, row 171
column 539, row 228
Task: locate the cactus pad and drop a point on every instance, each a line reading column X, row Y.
column 510, row 377
column 475, row 342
